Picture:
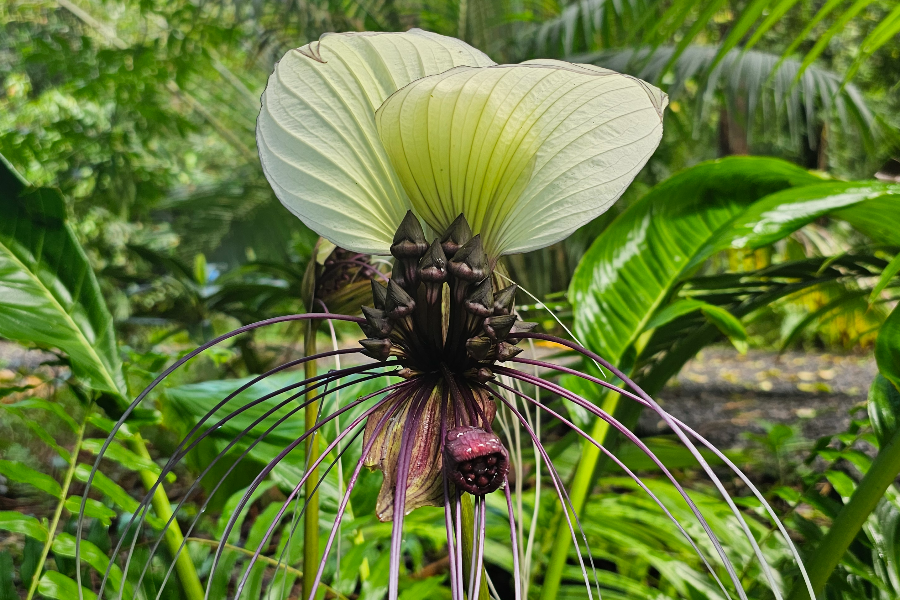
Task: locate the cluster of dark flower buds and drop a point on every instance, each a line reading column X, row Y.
column 439, row 309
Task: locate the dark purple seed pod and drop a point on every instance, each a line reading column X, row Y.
column 480, row 301
column 475, row 460
column 507, row 351
column 505, row 300
column 379, row 326
column 469, row 262
column 478, row 347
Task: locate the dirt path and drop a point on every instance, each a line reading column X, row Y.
column 724, row 394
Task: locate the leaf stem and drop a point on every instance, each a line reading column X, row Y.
column 311, row 516
column 51, row 531
column 468, row 525
column 184, row 566
column 853, row 515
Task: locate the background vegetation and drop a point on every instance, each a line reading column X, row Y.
column 148, row 228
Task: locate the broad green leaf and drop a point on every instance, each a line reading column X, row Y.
column 884, row 408
column 51, row 407
column 16, row 522
column 631, row 268
column 316, row 132
column 884, row 280
column 887, row 348
column 39, row 431
column 92, row 509
column 872, row 207
column 55, row 585
column 20, row 473
column 114, row 492
column 48, row 292
column 64, row 545
column 528, row 153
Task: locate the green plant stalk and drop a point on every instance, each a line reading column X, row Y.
column 51, row 531
column 184, row 566
column 850, row 520
column 311, row 516
column 468, row 526
column 581, row 484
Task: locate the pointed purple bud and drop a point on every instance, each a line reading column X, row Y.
column 433, row 266
column 497, row 328
column 469, row 262
column 409, row 241
column 520, row 327
column 507, row 351
column 476, row 460
column 456, row 235
column 398, row 303
column 480, row 301
column 478, row 347
column 379, row 294
column 379, row 326
column 376, row 348
column 505, row 300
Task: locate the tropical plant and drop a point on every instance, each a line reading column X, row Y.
column 442, row 324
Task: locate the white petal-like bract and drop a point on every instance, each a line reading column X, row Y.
column 316, row 132
column 527, row 152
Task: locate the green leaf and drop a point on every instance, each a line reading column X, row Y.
column 48, row 292
column 884, row 409
column 16, row 522
column 887, row 348
column 114, row 492
column 64, row 545
column 630, row 270
column 55, row 585
column 24, row 474
column 784, row 212
column 92, row 509
column 886, row 275
column 51, row 407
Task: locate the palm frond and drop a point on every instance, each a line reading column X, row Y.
column 748, row 85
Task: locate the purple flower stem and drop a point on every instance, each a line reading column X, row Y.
column 268, row 468
column 563, row 499
column 709, row 445
column 636, row 441
column 517, row 576
column 676, row 426
column 144, row 506
column 246, row 452
column 407, row 442
column 455, row 590
column 343, row 505
column 618, row 463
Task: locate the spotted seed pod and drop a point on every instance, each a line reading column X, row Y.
column 475, row 460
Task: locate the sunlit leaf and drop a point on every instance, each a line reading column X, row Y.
column 21, row 473
column 16, row 522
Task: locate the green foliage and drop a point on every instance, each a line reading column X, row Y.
column 49, row 293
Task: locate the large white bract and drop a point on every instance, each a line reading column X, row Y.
column 358, row 128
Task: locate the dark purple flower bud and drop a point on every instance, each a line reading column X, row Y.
column 398, row 303
column 376, row 348
column 520, row 327
column 499, row 327
column 506, row 351
column 379, row 294
column 379, row 326
column 480, row 301
column 475, row 460
column 456, row 235
column 469, row 262
column 409, row 241
column 505, row 300
column 433, row 266
column 478, row 347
